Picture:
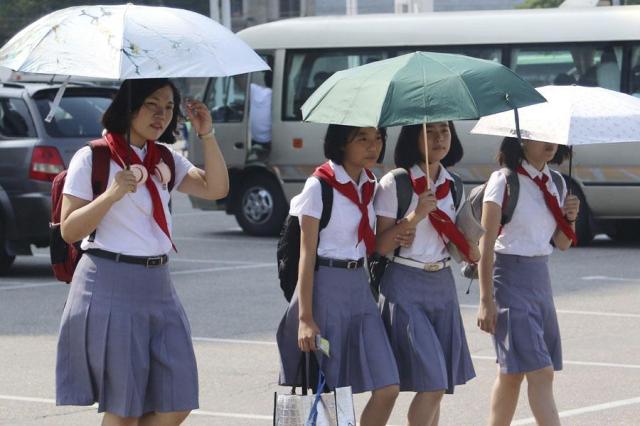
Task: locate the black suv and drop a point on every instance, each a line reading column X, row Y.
column 33, row 152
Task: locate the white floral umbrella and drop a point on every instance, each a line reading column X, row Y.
column 127, row 41
column 572, row 115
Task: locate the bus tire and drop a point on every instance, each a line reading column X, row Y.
column 262, row 207
column 584, row 223
column 627, row 230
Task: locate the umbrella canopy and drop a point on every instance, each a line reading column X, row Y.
column 573, row 115
column 127, row 41
column 417, row 88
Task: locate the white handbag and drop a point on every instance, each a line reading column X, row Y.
column 322, row 409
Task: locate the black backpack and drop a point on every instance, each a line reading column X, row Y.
column 288, row 252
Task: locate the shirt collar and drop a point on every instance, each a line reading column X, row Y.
column 533, row 172
column 417, row 173
column 343, row 177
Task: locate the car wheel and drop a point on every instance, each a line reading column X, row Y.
column 262, row 208
column 6, row 260
column 584, row 222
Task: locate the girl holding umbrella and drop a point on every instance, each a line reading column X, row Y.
column 125, row 341
column 516, row 301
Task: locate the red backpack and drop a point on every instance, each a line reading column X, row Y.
column 65, row 256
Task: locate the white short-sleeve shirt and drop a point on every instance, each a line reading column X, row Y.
column 339, row 239
column 532, row 225
column 427, row 246
column 128, row 227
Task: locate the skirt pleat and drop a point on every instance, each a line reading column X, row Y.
column 125, row 342
column 422, row 318
column 527, row 332
column 345, row 312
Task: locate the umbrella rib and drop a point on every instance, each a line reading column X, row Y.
column 122, row 40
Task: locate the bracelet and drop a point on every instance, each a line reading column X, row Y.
column 209, row 133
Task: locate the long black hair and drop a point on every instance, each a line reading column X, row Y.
column 117, row 118
column 511, row 153
column 338, row 136
column 407, row 153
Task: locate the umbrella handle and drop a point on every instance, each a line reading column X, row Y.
column 426, row 152
column 570, row 192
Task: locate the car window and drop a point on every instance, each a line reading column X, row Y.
column 77, row 115
column 15, row 120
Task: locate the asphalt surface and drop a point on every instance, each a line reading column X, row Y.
column 228, row 286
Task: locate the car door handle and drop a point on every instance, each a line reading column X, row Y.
column 238, row 145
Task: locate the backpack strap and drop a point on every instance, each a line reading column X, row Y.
column 404, row 191
column 327, row 203
column 558, row 181
column 511, row 193
column 457, row 190
column 167, row 157
column 100, row 161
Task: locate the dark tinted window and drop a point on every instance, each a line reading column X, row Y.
column 77, row 115
column 15, row 121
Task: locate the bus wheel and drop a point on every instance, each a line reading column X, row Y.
column 262, row 207
column 584, row 223
column 625, row 230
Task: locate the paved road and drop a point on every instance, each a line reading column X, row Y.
column 227, row 282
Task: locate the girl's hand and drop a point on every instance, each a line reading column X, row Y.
column 571, row 208
column 199, row 115
column 427, row 203
column 124, row 182
column 487, row 316
column 307, row 332
column 405, row 238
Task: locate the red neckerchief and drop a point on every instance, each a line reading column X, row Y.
column 121, row 150
column 439, row 219
column 552, row 204
column 365, row 232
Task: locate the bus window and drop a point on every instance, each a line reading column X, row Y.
column 634, row 84
column 565, row 65
column 306, row 71
column 226, row 97
column 489, row 53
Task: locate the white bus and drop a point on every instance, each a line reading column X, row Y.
column 594, row 46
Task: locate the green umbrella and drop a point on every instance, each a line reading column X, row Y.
column 418, row 88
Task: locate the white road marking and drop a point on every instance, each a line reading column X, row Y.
column 478, row 357
column 574, row 312
column 583, row 410
column 224, row 268
column 194, row 412
column 605, row 278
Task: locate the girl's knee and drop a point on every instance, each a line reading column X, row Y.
column 542, row 376
column 115, row 420
column 388, row 393
column 514, row 379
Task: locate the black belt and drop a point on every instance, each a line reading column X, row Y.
column 136, row 260
column 337, row 263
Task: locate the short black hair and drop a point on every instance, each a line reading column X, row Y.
column 511, row 153
column 117, row 118
column 338, row 136
column 407, row 153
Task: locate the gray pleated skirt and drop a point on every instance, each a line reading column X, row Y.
column 125, row 341
column 347, row 315
column 527, row 333
column 422, row 316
